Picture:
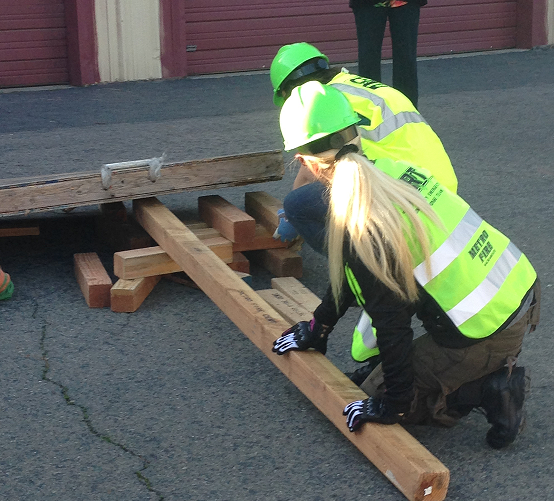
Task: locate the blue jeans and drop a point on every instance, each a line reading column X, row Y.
column 306, row 209
column 404, row 26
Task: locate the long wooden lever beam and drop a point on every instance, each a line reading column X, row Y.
column 399, row 456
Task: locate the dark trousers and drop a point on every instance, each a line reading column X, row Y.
column 403, row 25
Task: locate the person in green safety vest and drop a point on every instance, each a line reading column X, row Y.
column 400, row 243
column 390, row 127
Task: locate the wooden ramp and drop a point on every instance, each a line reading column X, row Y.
column 399, row 456
column 36, row 194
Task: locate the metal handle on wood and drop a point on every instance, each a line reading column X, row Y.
column 154, row 169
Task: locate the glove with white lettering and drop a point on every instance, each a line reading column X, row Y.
column 302, row 336
column 285, row 231
column 370, row 410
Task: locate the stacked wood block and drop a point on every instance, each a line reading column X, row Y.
column 233, row 235
column 281, row 262
column 93, row 279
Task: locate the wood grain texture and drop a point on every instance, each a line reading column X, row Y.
column 400, row 457
column 128, row 295
column 93, row 279
column 232, row 222
column 292, row 288
column 43, row 193
column 263, row 208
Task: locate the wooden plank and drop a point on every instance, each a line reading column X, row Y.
column 19, row 231
column 128, row 295
column 232, row 222
column 292, row 288
column 263, row 239
column 93, row 279
column 263, row 208
column 398, row 455
column 280, row 262
column 35, row 194
column 151, row 261
column 292, row 312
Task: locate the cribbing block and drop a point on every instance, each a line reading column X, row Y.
column 263, row 208
column 232, row 222
column 128, row 295
column 93, row 279
column 280, row 262
column 240, row 263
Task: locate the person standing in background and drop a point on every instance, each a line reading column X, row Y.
column 371, row 18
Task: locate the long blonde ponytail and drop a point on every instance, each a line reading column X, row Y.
column 380, row 215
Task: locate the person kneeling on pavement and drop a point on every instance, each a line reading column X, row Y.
column 400, row 244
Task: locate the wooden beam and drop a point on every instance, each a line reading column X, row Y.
column 280, row 262
column 19, row 231
column 239, row 263
column 399, row 456
column 43, row 193
column 292, row 312
column 93, row 279
column 292, row 288
column 222, row 215
column 263, row 208
column 263, row 239
column 128, row 295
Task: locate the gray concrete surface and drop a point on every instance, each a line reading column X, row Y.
column 173, row 402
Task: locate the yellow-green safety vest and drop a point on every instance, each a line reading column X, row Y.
column 477, row 276
column 396, row 129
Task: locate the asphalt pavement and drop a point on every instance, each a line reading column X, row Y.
column 173, row 402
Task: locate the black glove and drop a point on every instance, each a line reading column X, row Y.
column 370, row 410
column 302, row 336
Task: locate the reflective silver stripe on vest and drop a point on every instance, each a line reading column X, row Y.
column 365, row 328
column 391, row 121
column 485, row 292
column 450, row 249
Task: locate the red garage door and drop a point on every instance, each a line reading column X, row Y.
column 237, row 35
column 33, row 45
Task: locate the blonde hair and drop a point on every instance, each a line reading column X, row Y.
column 380, row 215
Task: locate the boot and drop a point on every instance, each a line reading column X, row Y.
column 503, row 397
column 360, row 375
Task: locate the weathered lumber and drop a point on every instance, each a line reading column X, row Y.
column 93, row 279
column 128, row 295
column 280, row 262
column 399, row 456
column 263, row 208
column 222, row 215
column 286, row 307
column 292, row 288
column 43, row 193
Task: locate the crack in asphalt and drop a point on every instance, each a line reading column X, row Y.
column 87, row 419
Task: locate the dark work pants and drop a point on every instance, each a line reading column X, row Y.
column 306, row 209
column 403, row 25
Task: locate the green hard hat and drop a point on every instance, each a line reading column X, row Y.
column 314, row 111
column 287, row 59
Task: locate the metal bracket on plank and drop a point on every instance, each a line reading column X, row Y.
column 154, row 169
